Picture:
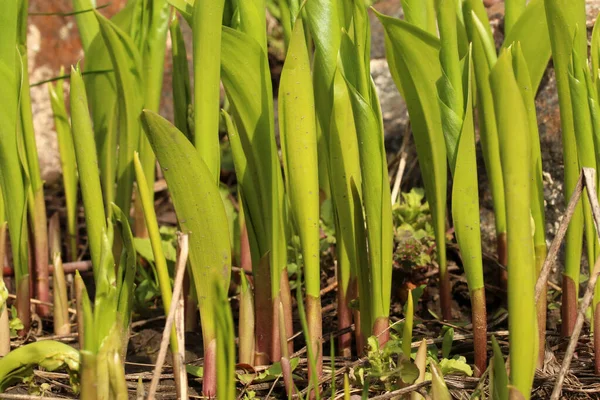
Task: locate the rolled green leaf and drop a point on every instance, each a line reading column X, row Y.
column 298, row 132
column 344, row 164
column 409, row 311
column 127, row 65
column 12, row 178
column 562, row 17
column 35, row 199
column 375, row 182
column 201, row 215
column 86, row 22
column 537, row 185
column 182, row 92
column 226, row 377
column 68, row 161
column 87, row 165
column 513, row 132
column 484, row 58
column 207, row 18
column 160, row 262
column 250, row 94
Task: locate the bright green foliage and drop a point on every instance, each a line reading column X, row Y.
column 127, row 65
column 414, row 64
column 344, row 165
column 207, row 17
column 48, row 354
column 68, row 160
column 86, row 22
column 106, row 332
column 439, row 390
column 563, row 17
column 514, row 137
column 456, row 107
column 182, row 92
column 298, row 132
column 160, row 261
column 498, row 375
column 531, row 29
column 513, row 10
column 11, row 169
column 420, row 13
column 326, row 19
column 225, row 343
column 373, row 164
column 87, row 165
column 408, row 325
column 200, row 212
column 582, row 123
column 247, row 81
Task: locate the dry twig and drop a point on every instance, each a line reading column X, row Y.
column 177, row 290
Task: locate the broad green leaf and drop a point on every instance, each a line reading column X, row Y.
column 48, row 354
column 515, row 153
column 413, row 58
column 325, row 23
column 252, row 20
column 127, row 65
column 207, row 16
column 531, row 29
column 420, row 13
column 87, row 165
column 200, row 213
column 513, row 11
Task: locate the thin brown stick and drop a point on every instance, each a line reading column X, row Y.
column 590, row 182
column 177, row 288
column 558, row 239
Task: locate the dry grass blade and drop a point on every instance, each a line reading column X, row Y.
column 589, row 175
column 177, row 290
